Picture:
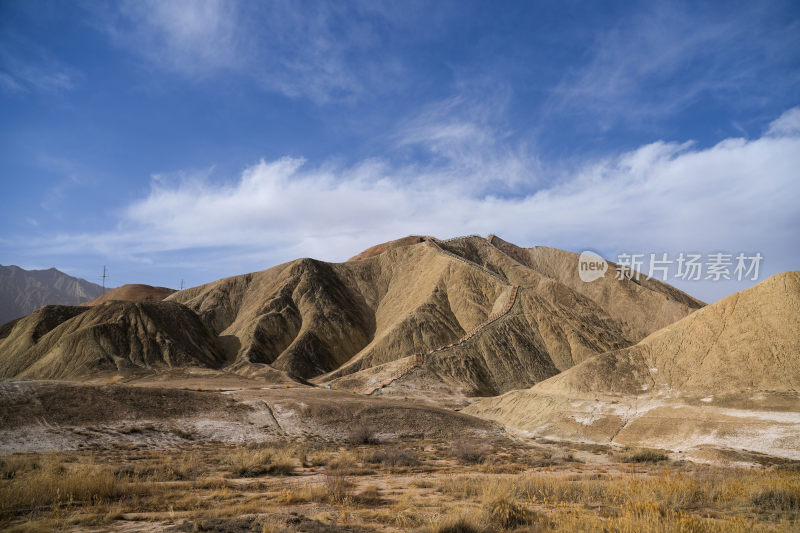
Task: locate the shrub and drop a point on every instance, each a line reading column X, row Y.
column 646, row 456
column 457, row 525
column 338, row 488
column 362, row 433
column 504, row 513
column 470, row 452
column 393, row 457
column 777, row 499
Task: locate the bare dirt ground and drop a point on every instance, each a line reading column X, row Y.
column 50, row 415
column 170, row 455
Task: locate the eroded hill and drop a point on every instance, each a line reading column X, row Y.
column 64, row 342
column 360, row 323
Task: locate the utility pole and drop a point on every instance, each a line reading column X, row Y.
column 181, row 284
column 104, row 276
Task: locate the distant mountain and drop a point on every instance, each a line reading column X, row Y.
column 24, row 291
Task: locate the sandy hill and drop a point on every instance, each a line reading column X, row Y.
column 24, row 291
column 726, row 374
column 134, row 292
column 484, row 321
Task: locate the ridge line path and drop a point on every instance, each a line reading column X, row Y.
column 467, row 261
column 419, row 358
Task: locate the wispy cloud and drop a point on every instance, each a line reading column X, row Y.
column 302, row 50
column 659, row 61
column 466, row 137
column 739, row 195
column 69, row 177
column 193, row 38
column 26, row 67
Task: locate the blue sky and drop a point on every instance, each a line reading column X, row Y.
column 178, row 140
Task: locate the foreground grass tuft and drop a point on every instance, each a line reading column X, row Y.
column 255, row 463
column 646, row 456
column 55, row 485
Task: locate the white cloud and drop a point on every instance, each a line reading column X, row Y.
column 786, row 124
column 739, row 195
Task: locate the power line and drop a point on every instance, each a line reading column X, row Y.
column 104, row 276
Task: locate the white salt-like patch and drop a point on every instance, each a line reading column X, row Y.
column 654, row 370
column 785, row 417
column 587, row 419
column 709, row 399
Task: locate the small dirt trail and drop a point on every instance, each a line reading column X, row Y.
column 419, row 358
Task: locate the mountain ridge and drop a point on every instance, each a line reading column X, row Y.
column 349, row 325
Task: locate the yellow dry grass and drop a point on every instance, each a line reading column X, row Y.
column 438, row 493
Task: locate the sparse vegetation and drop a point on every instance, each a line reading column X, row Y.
column 645, row 456
column 393, row 457
column 338, row 488
column 54, row 484
column 223, row 487
column 254, row 463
